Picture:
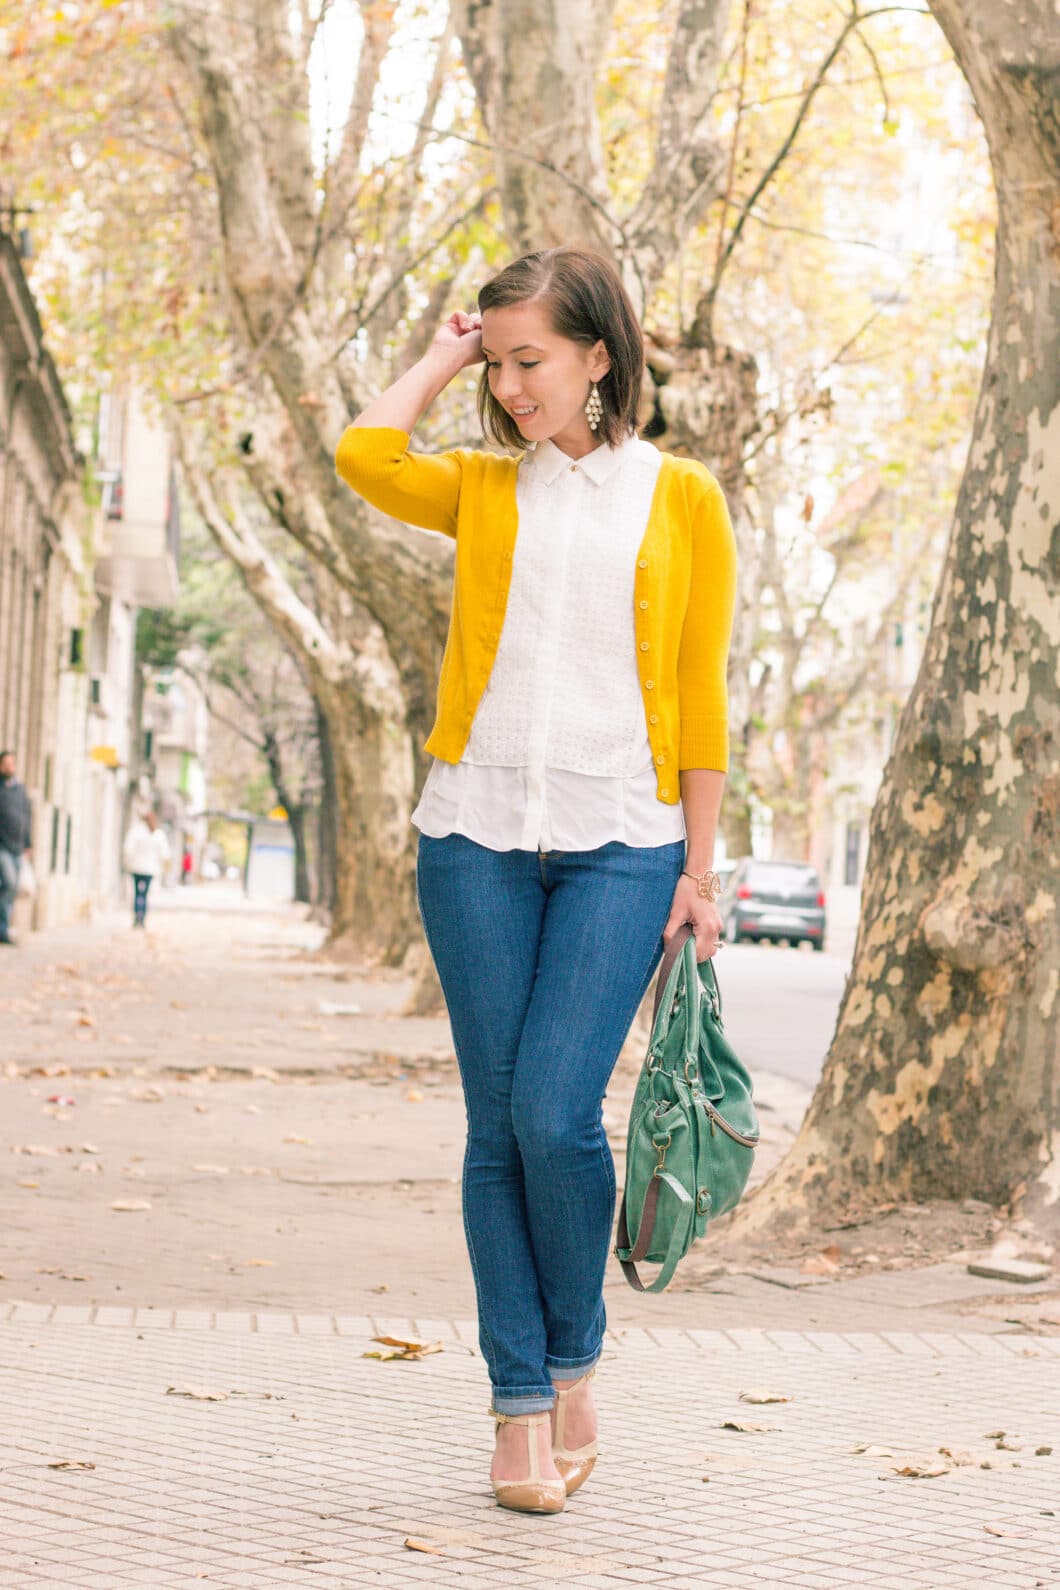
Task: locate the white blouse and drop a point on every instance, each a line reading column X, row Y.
column 558, row 756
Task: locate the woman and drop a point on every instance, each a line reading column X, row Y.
column 146, row 854
column 567, row 823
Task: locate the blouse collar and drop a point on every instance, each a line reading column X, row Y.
column 550, row 461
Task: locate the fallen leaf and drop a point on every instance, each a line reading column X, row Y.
column 71, row 1463
column 414, row 1096
column 197, row 1393
column 1004, row 1445
column 818, row 1264
column 424, row 1545
column 760, row 1394
column 996, row 1529
column 256, row 1263
column 33, row 1148
column 212, row 1170
column 1043, row 1451
column 293, row 1137
column 129, row 1205
column 28, row 1184
column 918, row 1469
column 404, row 1349
column 749, row 1426
column 864, row 1450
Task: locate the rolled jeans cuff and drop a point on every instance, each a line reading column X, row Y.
column 522, row 1399
column 570, row 1368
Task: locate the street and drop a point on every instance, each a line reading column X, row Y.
column 780, row 1006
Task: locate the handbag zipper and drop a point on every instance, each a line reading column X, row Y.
column 719, row 1120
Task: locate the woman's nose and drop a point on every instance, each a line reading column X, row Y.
column 505, row 386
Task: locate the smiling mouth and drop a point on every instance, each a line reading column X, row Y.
column 524, row 414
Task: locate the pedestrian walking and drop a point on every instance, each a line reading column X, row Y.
column 567, row 823
column 145, row 854
column 16, row 837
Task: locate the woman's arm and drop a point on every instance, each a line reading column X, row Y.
column 701, row 792
column 456, row 345
column 373, row 454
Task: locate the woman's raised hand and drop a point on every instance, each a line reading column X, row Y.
column 461, row 333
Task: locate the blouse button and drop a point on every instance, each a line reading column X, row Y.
column 642, row 563
column 660, row 760
column 643, row 606
column 654, row 718
column 644, row 645
column 649, row 684
column 574, row 469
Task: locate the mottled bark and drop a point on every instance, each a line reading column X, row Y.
column 942, row 1080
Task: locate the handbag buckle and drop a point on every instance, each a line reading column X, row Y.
column 703, row 1201
column 691, row 1074
column 661, row 1145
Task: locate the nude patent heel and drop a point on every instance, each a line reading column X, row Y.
column 575, row 1466
column 535, row 1494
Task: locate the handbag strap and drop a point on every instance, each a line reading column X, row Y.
column 672, row 951
column 678, row 1236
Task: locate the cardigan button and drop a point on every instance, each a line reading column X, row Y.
column 642, row 563
column 660, row 760
column 654, row 718
column 663, row 790
column 643, row 606
column 644, row 645
column 649, row 684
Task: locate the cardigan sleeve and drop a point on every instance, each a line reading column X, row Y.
column 704, row 651
column 417, row 488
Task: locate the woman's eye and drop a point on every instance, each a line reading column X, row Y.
column 529, row 364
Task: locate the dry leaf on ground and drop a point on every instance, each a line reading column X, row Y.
column 863, row 1449
column 424, row 1545
column 399, row 1348
column 128, row 1205
column 197, row 1393
column 926, row 1468
column 71, row 1463
column 749, row 1426
column 996, row 1529
column 760, row 1394
column 293, row 1137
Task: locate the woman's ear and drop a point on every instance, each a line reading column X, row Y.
column 600, row 362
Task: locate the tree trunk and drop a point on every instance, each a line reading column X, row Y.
column 942, row 1080
column 327, row 818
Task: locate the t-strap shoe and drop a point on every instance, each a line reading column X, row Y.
column 535, row 1494
column 576, row 1465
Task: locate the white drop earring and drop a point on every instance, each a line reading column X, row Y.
column 594, row 408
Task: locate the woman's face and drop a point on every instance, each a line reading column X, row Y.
column 539, row 377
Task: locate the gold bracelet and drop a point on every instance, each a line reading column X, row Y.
column 708, row 883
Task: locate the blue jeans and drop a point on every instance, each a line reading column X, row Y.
column 141, row 884
column 543, row 961
column 10, row 867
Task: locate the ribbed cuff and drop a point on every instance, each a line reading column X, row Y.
column 704, row 743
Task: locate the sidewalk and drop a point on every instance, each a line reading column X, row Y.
column 320, row 1466
column 292, row 1170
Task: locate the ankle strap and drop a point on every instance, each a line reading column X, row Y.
column 518, row 1418
column 566, row 1390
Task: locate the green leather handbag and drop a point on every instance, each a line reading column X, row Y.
column 693, row 1128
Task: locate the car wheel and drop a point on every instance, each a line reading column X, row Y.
column 818, row 945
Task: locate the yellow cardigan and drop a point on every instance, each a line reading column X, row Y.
column 684, row 588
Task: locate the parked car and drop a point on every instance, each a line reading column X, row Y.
column 773, row 900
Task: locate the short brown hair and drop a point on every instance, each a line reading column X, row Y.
column 588, row 304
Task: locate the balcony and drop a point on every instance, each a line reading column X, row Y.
column 138, row 559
